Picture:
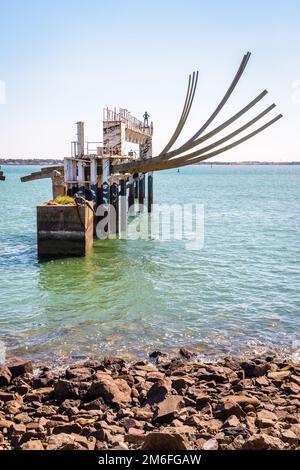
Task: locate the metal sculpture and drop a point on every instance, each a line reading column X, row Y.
column 166, row 159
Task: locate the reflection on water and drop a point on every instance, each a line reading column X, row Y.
column 238, row 294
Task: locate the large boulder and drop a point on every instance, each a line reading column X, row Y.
column 113, row 391
column 165, row 441
column 19, row 367
column 157, row 392
column 167, row 409
column 263, row 442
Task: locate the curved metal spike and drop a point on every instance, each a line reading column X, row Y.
column 228, row 137
column 187, row 98
column 226, row 148
column 185, row 112
column 218, row 129
column 226, row 97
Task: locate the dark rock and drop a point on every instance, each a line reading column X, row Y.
column 255, row 370
column 165, row 441
column 66, row 389
column 19, row 367
column 7, row 396
column 97, row 404
column 182, row 383
column 185, row 353
column 157, row 392
column 156, row 354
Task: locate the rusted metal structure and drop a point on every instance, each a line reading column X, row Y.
column 2, row 177
column 107, row 174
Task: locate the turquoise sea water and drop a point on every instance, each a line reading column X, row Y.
column 239, row 294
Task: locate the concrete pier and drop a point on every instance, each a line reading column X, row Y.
column 64, row 230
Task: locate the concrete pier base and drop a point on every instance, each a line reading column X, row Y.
column 64, row 230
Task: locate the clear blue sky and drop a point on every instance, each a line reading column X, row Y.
column 64, row 60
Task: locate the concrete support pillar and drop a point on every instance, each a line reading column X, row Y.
column 123, row 208
column 131, row 195
column 114, row 214
column 150, row 191
column 81, row 177
column 141, row 191
column 94, row 182
column 80, row 139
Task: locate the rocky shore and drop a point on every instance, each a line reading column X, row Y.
column 164, row 404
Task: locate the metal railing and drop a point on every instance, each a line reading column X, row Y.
column 131, row 122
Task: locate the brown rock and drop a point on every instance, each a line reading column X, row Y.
column 155, row 376
column 80, row 373
column 265, row 419
column 295, row 428
column 212, row 425
column 57, row 441
column 97, row 404
column 67, row 428
column 232, row 421
column 32, row 445
column 280, row 375
column 23, row 418
column 255, row 370
column 45, row 410
column 295, row 379
column 143, row 414
column 291, row 388
column 185, row 353
column 5, row 376
column 230, row 408
column 16, row 429
column 39, row 394
column 112, row 391
column 208, row 377
column 157, row 392
column 263, row 442
column 5, row 423
column 66, row 389
column 262, row 381
column 7, row 396
column 168, row 408
column 135, row 436
column 211, row 444
column 289, row 437
column 241, row 400
column 182, row 383
column 165, row 441
column 19, row 367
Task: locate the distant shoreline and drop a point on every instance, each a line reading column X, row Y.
column 49, row 162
